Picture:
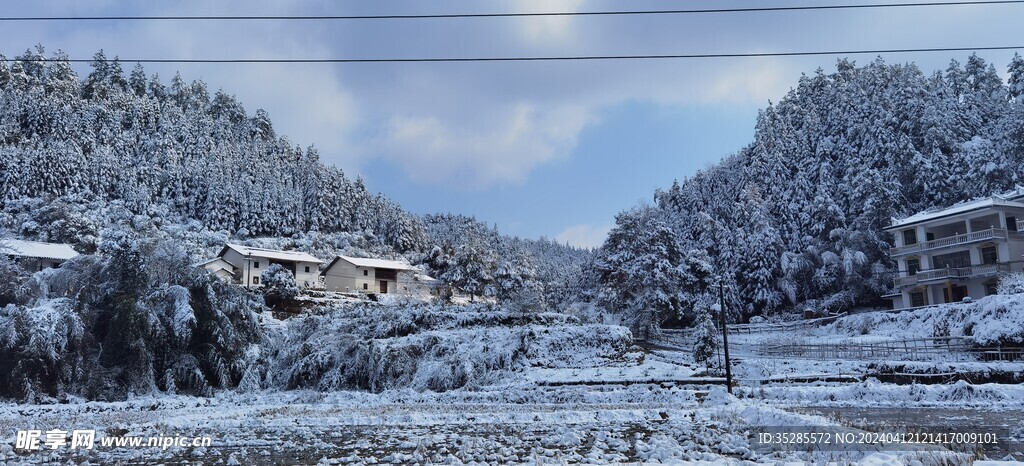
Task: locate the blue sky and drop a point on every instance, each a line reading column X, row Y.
column 618, row 162
column 550, row 149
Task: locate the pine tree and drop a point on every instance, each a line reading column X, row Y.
column 645, row 275
column 1016, row 80
column 707, row 338
column 759, row 261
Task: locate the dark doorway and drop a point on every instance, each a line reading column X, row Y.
column 383, row 287
column 958, row 293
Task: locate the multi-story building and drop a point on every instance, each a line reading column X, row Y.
column 946, row 255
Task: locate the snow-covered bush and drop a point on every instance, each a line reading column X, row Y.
column 429, row 347
column 278, row 284
column 1011, row 283
column 993, row 320
column 39, row 349
column 135, row 320
column 12, row 276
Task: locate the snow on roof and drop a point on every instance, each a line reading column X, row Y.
column 208, row 262
column 1007, row 199
column 289, row 256
column 376, row 263
column 21, row 248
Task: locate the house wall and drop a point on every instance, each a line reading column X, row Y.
column 35, row 264
column 224, row 275
column 347, row 277
column 250, row 272
column 216, row 267
column 310, row 279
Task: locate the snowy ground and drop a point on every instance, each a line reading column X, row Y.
column 583, row 394
column 542, row 425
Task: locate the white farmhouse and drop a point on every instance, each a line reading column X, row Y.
column 375, row 276
column 35, row 256
column 244, row 264
column 945, row 255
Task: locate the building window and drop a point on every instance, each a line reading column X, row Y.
column 913, row 265
column 990, row 288
column 989, row 255
column 954, row 260
column 307, row 269
column 366, row 272
column 256, row 265
column 366, row 286
column 909, row 237
column 1011, row 223
column 916, row 299
column 255, row 280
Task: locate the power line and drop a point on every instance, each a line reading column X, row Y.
column 504, row 15
column 540, row 58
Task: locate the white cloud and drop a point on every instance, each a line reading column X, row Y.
column 548, row 30
column 499, row 148
column 766, row 80
column 584, row 235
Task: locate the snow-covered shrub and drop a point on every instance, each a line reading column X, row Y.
column 429, row 347
column 1011, row 283
column 278, row 284
column 12, row 276
column 75, row 278
column 997, row 319
column 135, row 320
column 39, row 349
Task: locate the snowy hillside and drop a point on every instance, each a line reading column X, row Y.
column 168, row 152
column 794, row 220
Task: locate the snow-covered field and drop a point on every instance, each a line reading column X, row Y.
column 542, row 425
column 487, row 386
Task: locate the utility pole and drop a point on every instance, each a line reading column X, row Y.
column 725, row 335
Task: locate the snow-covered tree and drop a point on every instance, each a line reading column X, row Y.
column 758, row 268
column 706, row 337
column 645, row 274
column 278, row 284
column 1016, row 80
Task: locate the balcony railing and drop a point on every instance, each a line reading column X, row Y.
column 951, row 272
column 949, row 241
